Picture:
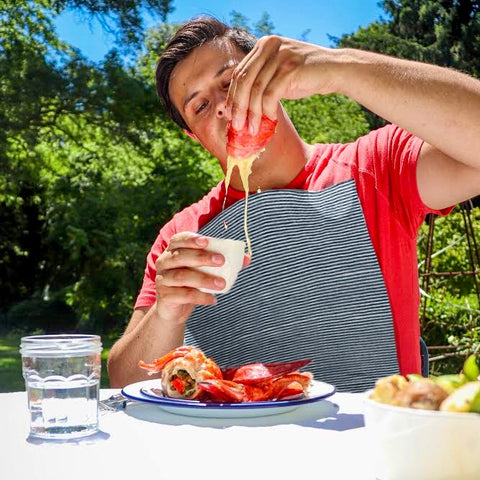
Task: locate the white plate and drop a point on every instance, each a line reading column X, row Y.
column 147, row 392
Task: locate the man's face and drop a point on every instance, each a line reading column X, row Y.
column 198, row 88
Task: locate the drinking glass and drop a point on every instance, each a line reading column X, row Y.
column 62, row 379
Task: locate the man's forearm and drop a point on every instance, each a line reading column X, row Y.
column 146, row 338
column 439, row 105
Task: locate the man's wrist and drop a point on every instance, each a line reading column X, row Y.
column 336, row 69
column 167, row 320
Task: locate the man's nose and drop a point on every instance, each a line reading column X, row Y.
column 221, row 104
column 221, row 109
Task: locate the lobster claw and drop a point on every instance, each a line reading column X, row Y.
column 223, row 390
column 255, row 373
column 242, row 144
column 289, row 386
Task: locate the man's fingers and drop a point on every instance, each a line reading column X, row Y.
column 188, row 277
column 238, row 99
column 188, row 257
column 187, row 240
column 253, row 72
column 178, row 296
column 271, row 95
column 233, row 105
column 255, row 108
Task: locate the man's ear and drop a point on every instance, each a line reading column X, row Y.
column 191, row 135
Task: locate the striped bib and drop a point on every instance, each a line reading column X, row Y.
column 313, row 290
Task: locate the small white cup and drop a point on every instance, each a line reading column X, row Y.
column 233, row 251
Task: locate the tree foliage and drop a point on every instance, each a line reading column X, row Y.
column 327, row 119
column 264, row 26
column 452, row 313
column 443, row 32
column 89, row 170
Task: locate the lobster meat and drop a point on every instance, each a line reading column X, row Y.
column 188, row 374
column 242, row 144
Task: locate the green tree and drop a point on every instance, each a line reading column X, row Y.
column 89, row 169
column 239, row 20
column 444, row 32
column 448, row 30
column 264, row 26
column 327, row 118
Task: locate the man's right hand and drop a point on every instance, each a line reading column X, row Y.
column 177, row 281
column 153, row 332
column 277, row 68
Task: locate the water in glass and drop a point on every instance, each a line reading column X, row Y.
column 62, row 377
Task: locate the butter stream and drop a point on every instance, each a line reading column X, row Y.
column 244, row 166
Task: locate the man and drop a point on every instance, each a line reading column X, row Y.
column 333, row 274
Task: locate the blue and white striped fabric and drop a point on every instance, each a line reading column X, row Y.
column 313, row 290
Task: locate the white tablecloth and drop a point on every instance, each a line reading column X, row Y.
column 322, row 440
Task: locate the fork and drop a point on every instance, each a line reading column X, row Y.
column 115, row 403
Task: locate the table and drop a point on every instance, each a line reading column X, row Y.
column 325, row 439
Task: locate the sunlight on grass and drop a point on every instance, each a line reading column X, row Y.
column 9, row 349
column 9, row 362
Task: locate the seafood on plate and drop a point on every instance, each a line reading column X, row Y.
column 182, row 370
column 188, row 374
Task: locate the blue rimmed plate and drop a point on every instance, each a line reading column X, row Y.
column 150, row 391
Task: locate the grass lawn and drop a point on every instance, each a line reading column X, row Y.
column 11, row 379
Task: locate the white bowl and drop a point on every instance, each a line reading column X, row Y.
column 233, row 251
column 412, row 444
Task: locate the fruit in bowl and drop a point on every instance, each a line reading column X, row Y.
column 426, row 429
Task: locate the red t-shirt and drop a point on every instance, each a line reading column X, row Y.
column 383, row 165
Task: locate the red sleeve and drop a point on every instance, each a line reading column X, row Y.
column 393, row 157
column 146, row 297
column 387, row 162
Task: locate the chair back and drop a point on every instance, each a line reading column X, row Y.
column 424, row 357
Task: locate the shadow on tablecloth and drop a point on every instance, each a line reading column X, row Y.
column 94, row 439
column 322, row 415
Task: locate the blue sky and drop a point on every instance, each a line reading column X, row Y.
column 290, row 17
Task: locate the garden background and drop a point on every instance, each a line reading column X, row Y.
column 91, row 168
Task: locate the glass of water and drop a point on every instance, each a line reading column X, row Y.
column 62, row 379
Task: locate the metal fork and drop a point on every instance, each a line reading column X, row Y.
column 115, row 403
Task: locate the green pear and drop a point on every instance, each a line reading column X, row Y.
column 464, row 399
column 471, row 367
column 450, row 382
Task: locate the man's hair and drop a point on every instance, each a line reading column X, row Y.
column 191, row 35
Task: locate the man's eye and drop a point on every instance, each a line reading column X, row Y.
column 201, row 107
